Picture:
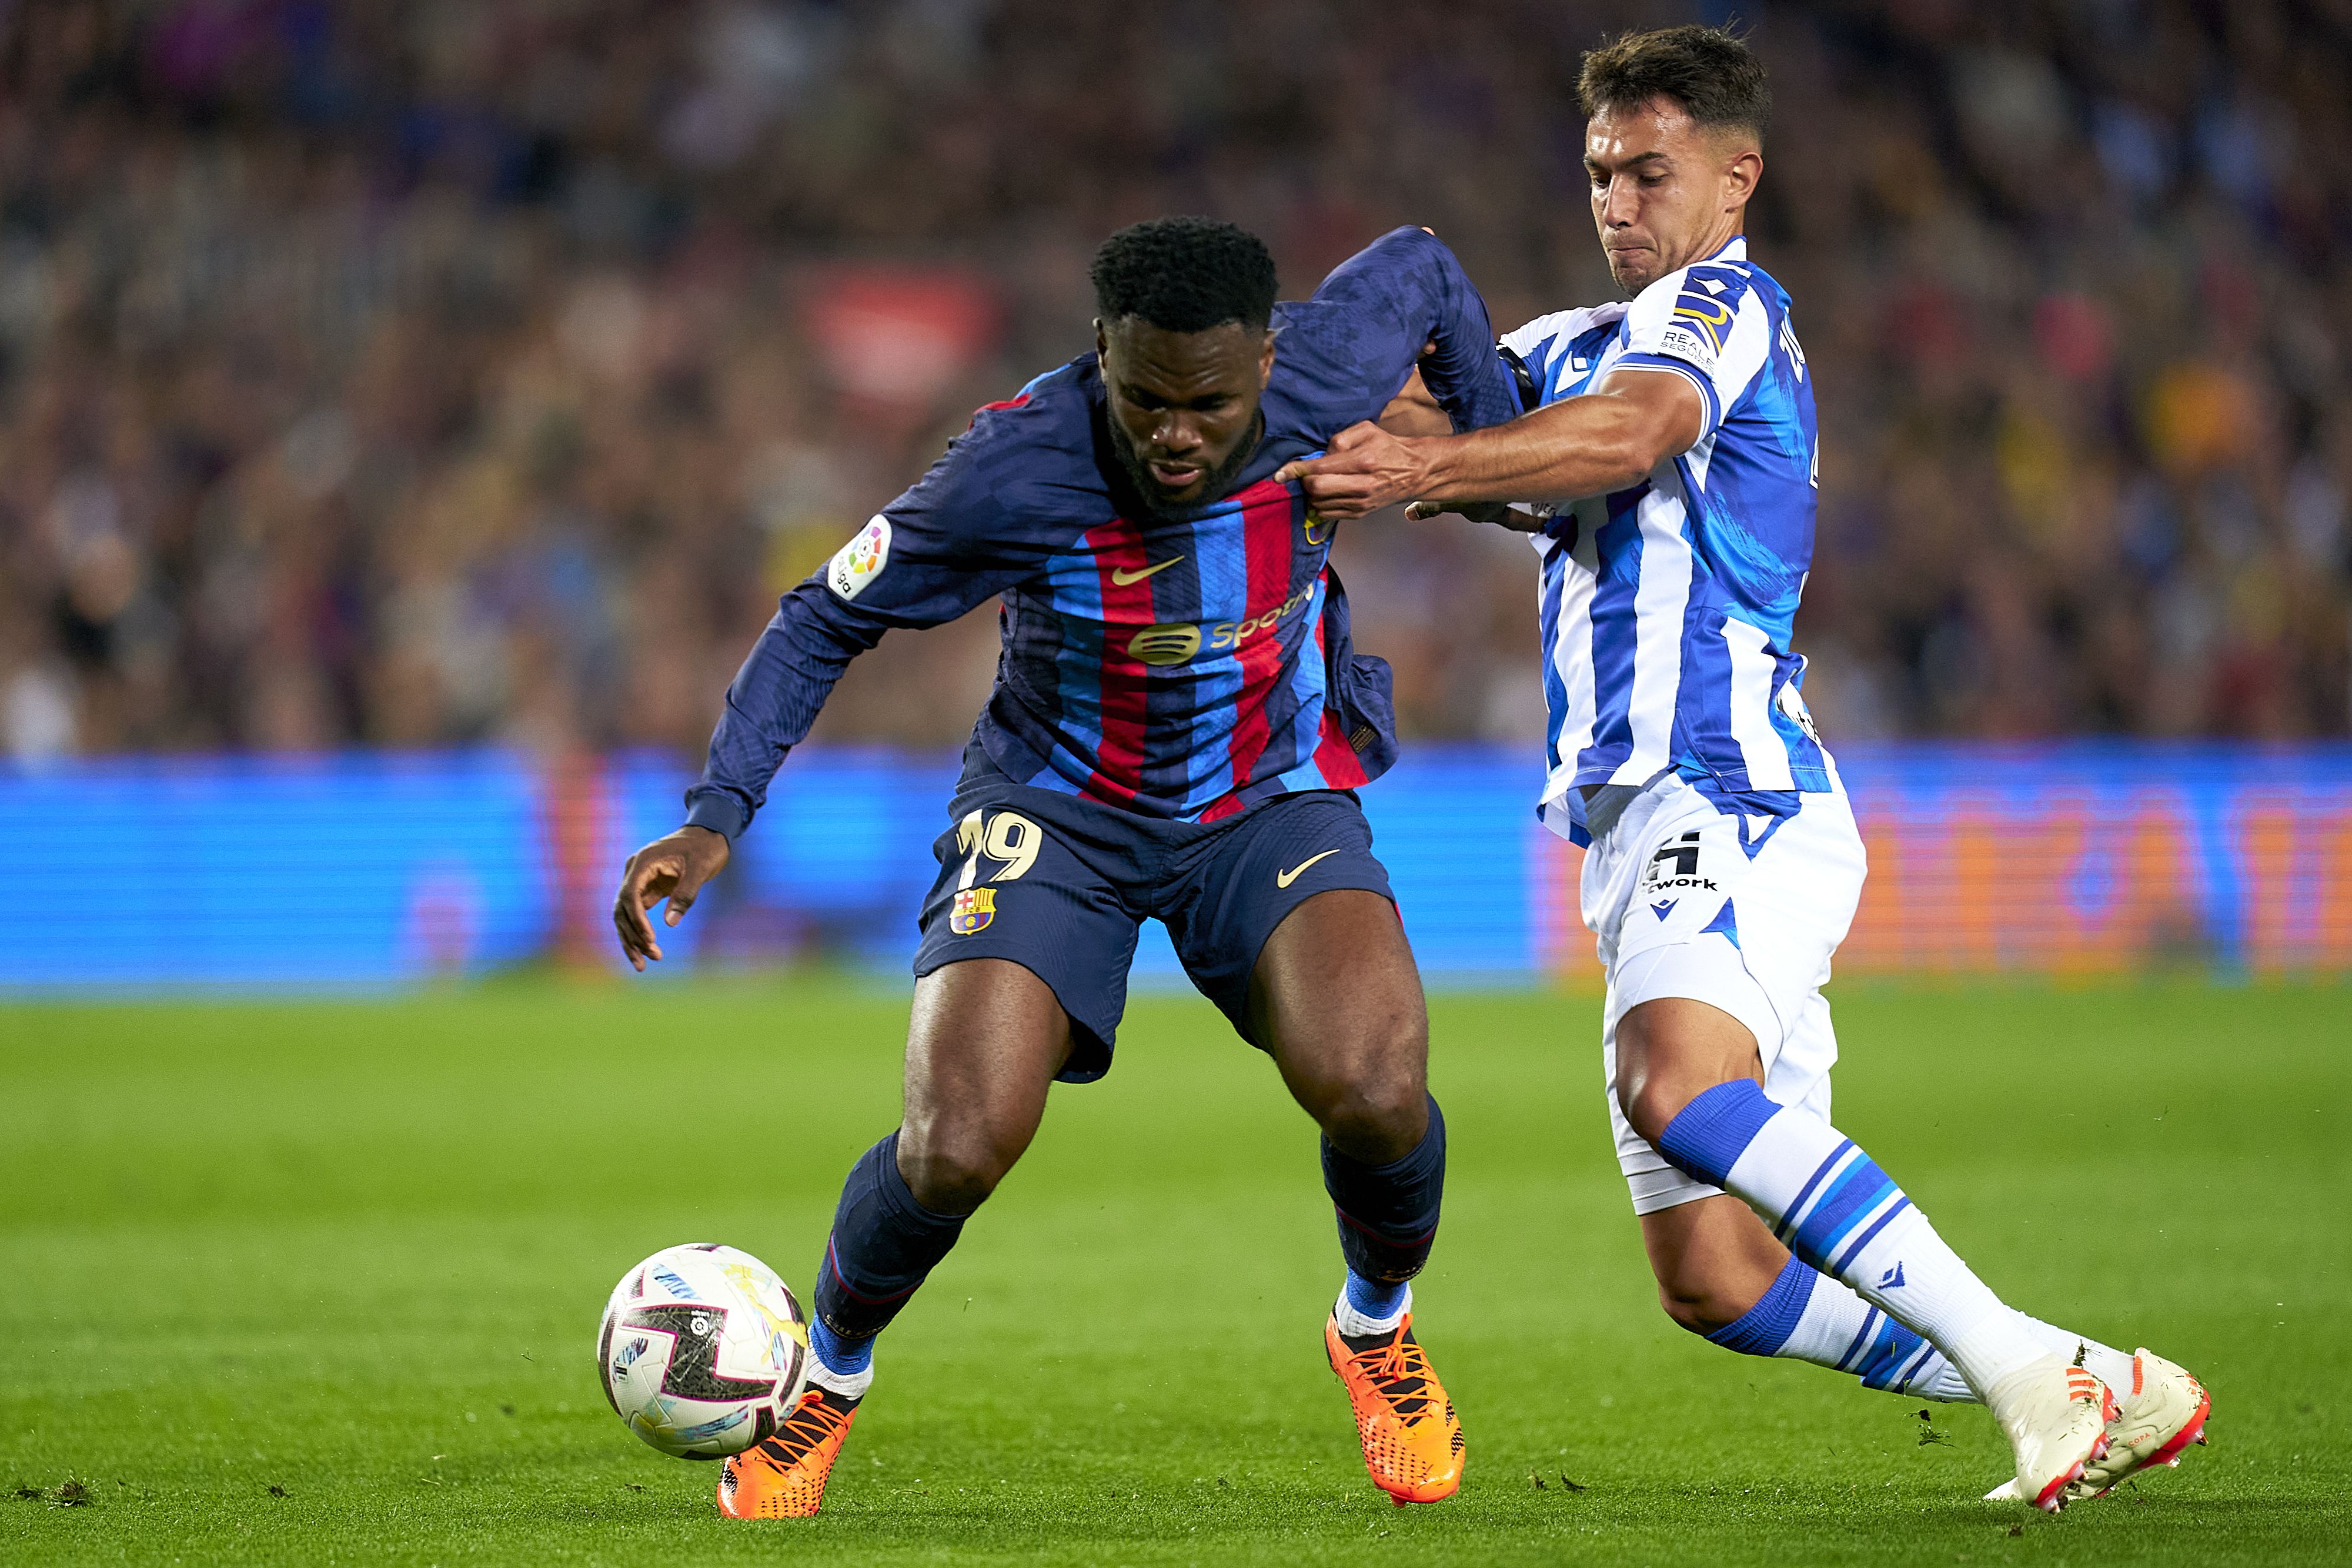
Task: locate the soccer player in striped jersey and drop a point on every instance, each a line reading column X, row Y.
column 1178, row 727
column 1671, row 470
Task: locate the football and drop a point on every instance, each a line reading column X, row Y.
column 702, row 1351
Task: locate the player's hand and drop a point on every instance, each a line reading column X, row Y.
column 1365, row 469
column 675, row 868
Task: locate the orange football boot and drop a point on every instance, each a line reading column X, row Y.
column 783, row 1477
column 1412, row 1442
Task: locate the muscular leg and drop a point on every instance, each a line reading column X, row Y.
column 1714, row 1259
column 986, row 1039
column 984, row 1045
column 1336, row 1001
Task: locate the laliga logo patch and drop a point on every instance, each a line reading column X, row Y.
column 974, row 908
column 861, row 560
column 1165, row 644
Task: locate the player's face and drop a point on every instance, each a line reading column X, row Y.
column 1183, row 405
column 1665, row 193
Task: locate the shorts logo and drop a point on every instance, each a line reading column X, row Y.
column 1285, row 878
column 974, row 908
column 1165, row 644
column 861, row 560
column 1674, row 868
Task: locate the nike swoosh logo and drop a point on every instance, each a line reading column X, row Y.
column 1121, row 577
column 1285, row 878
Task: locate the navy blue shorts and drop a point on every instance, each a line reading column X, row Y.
column 1060, row 885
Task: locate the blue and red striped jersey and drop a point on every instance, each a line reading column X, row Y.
column 1178, row 664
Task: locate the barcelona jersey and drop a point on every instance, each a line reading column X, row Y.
column 1179, row 664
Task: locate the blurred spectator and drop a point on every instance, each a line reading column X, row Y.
column 428, row 372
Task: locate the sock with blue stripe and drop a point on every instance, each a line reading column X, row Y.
column 1832, row 1206
column 1808, row 1316
column 1368, row 1306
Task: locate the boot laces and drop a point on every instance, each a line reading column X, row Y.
column 812, row 1421
column 1400, row 1371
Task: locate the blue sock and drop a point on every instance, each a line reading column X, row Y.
column 847, row 1357
column 883, row 1245
column 1388, row 1214
column 1373, row 1298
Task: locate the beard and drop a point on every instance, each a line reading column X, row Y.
column 1214, row 485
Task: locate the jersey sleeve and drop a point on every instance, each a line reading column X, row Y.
column 1354, row 343
column 1003, row 500
column 1706, row 322
column 1547, row 345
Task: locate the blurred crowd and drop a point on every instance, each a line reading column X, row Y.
column 431, row 371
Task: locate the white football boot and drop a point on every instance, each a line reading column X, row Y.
column 2056, row 1418
column 2157, row 1417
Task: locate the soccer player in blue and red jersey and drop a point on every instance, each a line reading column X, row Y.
column 1177, row 724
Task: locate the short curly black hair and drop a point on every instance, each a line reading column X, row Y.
column 1185, row 275
column 1710, row 71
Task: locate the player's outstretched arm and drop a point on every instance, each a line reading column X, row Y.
column 676, row 868
column 1588, row 445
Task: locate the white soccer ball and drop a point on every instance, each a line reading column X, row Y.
column 703, row 1350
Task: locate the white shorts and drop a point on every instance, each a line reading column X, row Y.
column 1690, row 901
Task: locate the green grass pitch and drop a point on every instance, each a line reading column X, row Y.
column 307, row 1282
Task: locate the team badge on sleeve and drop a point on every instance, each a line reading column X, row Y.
column 974, row 908
column 861, row 560
column 1701, row 322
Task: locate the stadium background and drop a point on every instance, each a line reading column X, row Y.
column 409, row 414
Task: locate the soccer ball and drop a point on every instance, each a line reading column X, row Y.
column 703, row 1350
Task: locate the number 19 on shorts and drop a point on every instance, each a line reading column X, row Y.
column 1006, row 837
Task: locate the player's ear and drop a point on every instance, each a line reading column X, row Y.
column 1743, row 174
column 1265, row 360
column 1102, row 339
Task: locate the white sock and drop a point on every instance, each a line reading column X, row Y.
column 1833, row 1208
column 1355, row 1324
column 848, row 1384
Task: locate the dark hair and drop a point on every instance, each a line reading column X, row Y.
column 1708, row 71
column 1185, row 275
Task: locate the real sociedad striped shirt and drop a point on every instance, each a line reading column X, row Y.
column 1665, row 609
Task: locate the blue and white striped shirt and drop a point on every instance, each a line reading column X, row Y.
column 1665, row 608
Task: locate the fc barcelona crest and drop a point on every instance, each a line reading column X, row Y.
column 974, row 908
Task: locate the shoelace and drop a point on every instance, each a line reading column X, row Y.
column 1400, row 1372
column 807, row 1427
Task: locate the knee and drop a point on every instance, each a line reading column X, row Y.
column 1650, row 1104
column 1699, row 1303
column 952, row 1167
column 1376, row 1117
column 1670, row 1052
column 1379, row 1106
